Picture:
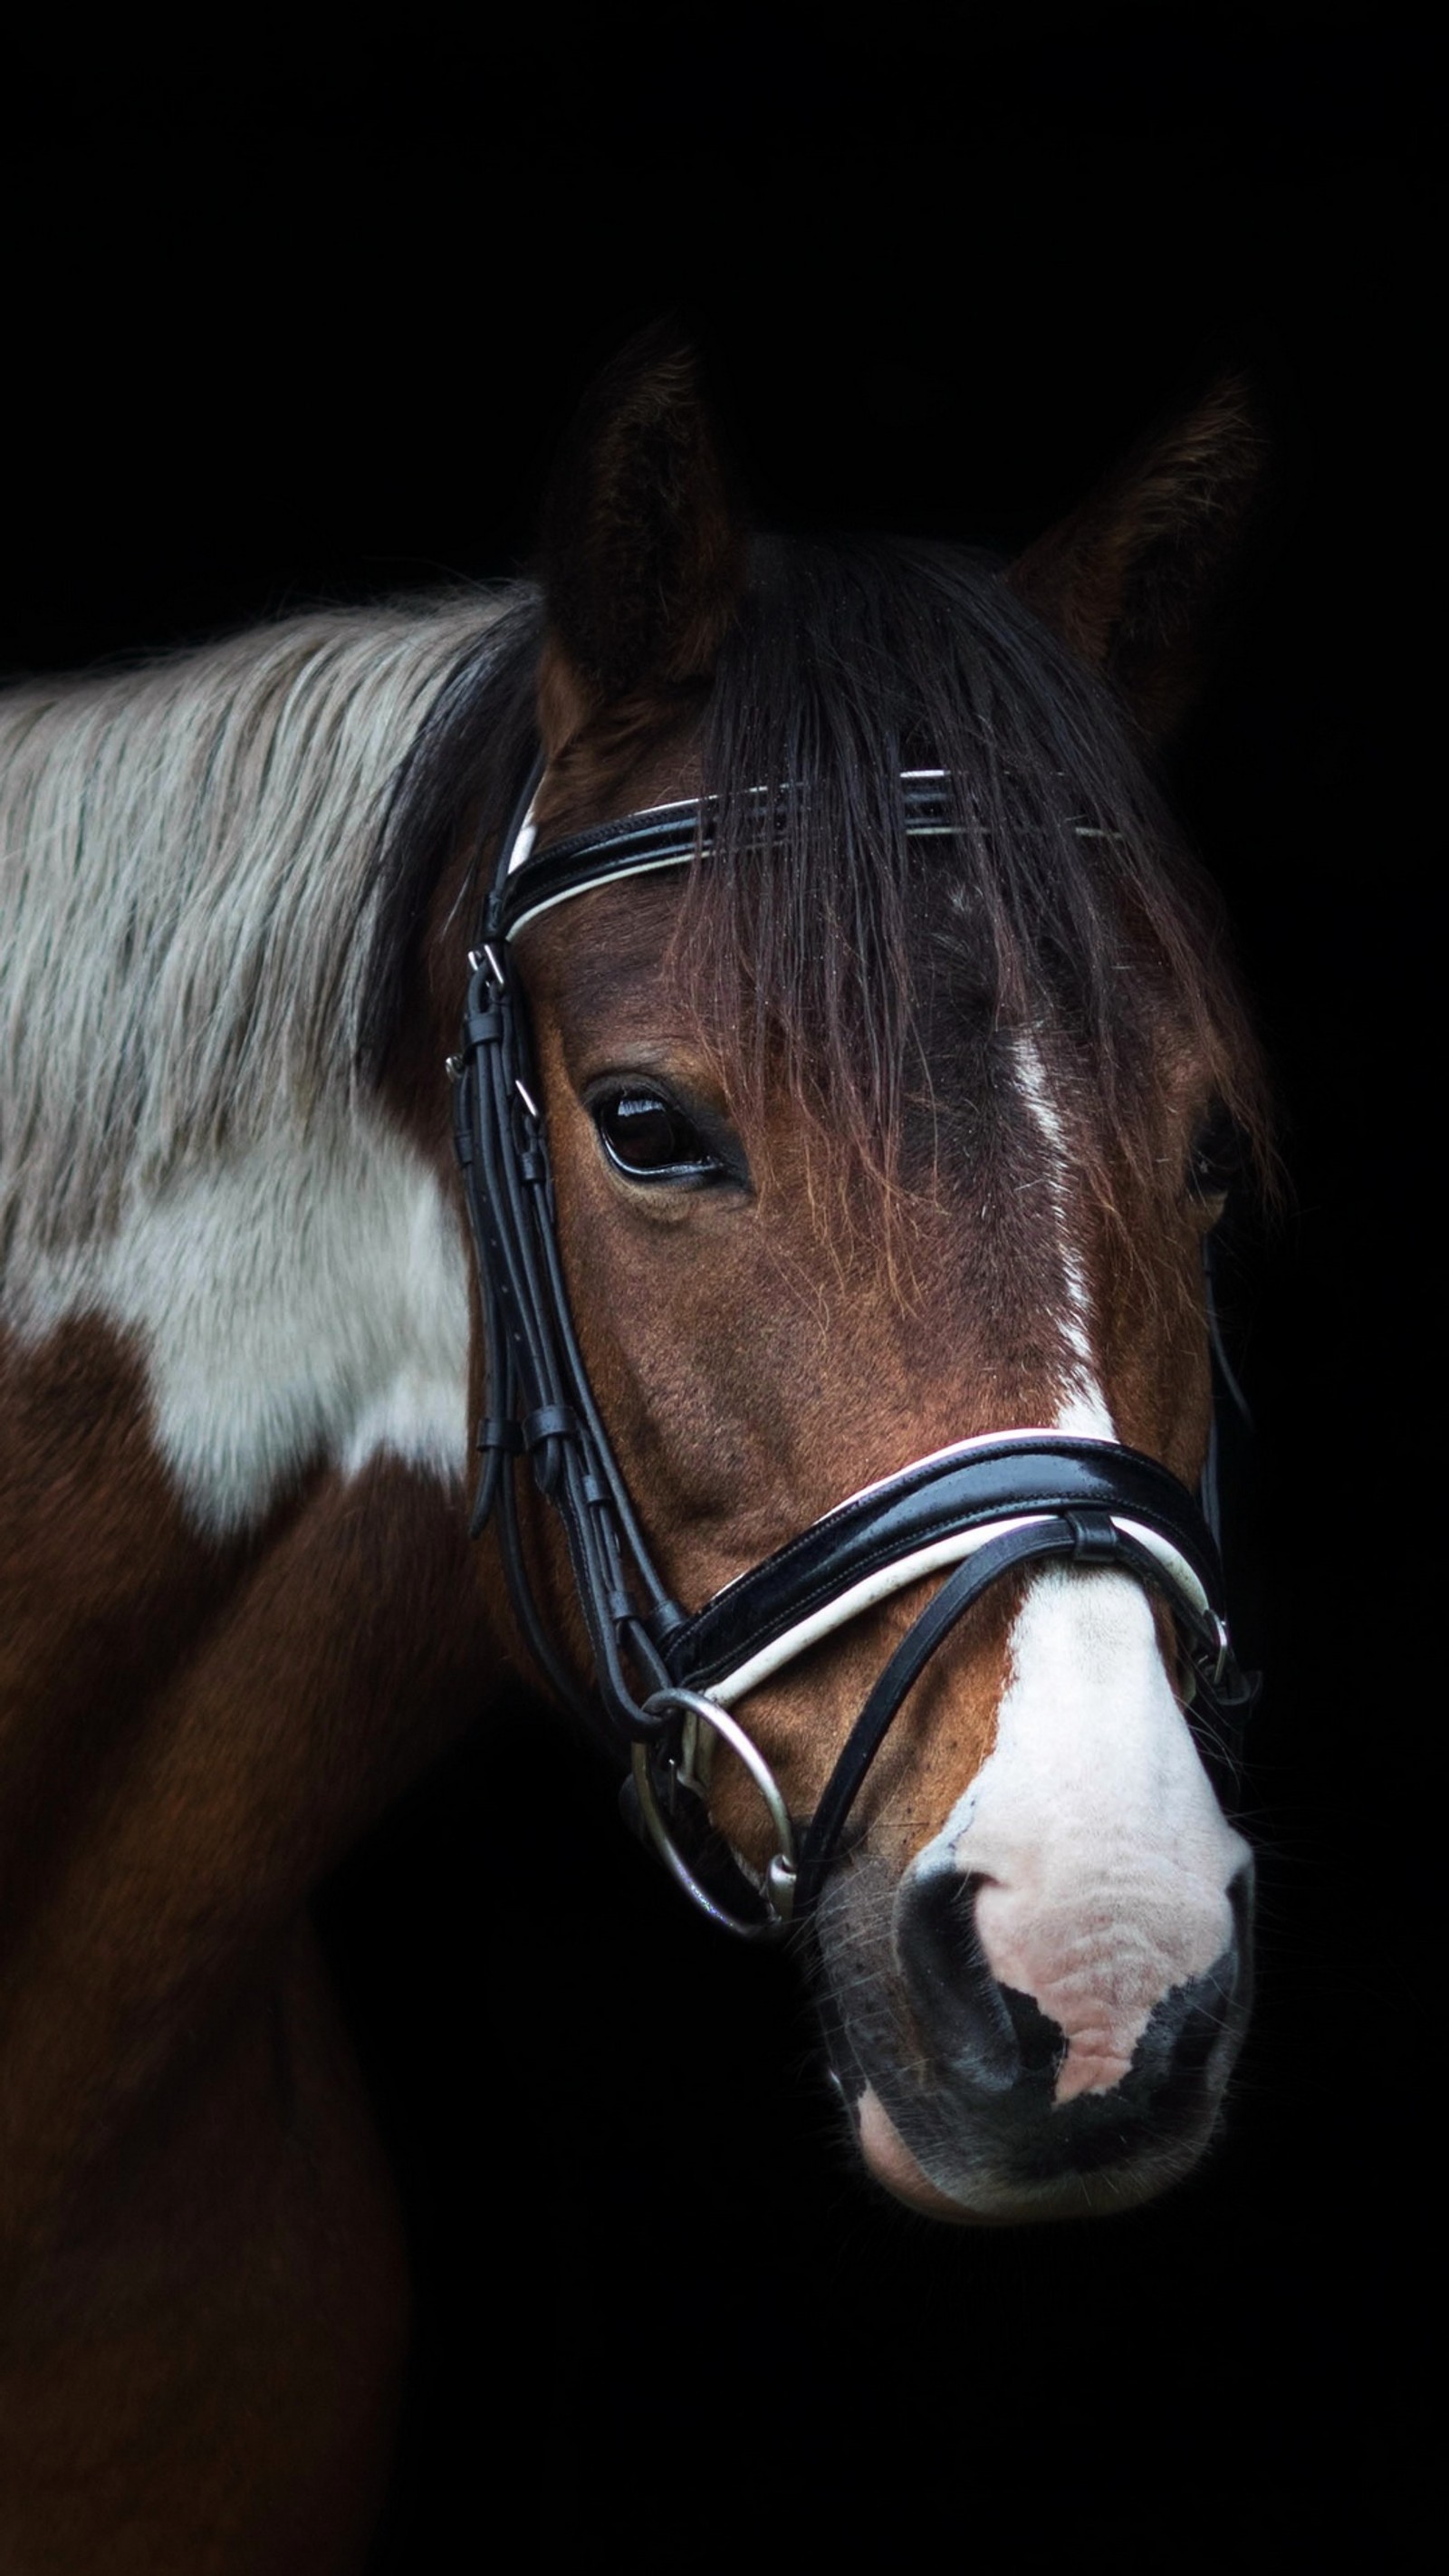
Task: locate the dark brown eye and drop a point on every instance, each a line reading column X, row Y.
column 648, row 1139
column 1217, row 1156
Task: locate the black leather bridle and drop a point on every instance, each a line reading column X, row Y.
column 665, row 1681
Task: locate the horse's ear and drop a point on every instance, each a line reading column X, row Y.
column 643, row 550
column 1134, row 579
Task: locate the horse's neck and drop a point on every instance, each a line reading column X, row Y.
column 238, row 1604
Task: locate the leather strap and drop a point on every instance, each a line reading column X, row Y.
column 1022, row 1474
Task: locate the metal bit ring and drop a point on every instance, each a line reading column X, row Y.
column 778, row 1890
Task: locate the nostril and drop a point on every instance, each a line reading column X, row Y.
column 965, row 2017
column 1042, row 2041
column 1240, row 1899
column 1188, row 2026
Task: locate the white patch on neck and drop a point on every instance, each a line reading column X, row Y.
column 1083, row 1409
column 301, row 1302
column 1104, row 1858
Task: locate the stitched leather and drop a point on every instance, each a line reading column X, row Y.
column 931, row 1501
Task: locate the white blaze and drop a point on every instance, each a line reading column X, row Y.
column 1083, row 1408
column 1104, row 1857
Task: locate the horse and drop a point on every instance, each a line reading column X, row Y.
column 885, row 1076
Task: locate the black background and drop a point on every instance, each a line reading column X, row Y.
column 290, row 320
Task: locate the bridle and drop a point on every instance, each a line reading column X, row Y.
column 666, row 1682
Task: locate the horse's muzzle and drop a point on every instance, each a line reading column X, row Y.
column 978, row 2105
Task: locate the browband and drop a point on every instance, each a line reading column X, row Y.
column 664, row 836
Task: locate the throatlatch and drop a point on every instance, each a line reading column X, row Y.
column 666, row 1683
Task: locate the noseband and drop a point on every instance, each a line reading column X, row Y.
column 665, row 1682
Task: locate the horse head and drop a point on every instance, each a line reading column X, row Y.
column 874, row 1138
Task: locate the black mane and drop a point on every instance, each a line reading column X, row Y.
column 1063, row 905
column 873, row 971
column 459, row 784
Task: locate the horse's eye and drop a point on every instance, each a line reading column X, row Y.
column 648, row 1139
column 1217, row 1156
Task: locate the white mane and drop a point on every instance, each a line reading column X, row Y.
column 187, row 900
